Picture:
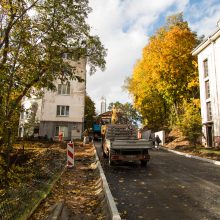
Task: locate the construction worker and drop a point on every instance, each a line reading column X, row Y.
column 157, row 142
column 86, row 137
column 114, row 115
column 60, row 136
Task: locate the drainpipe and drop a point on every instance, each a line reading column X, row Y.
column 83, row 120
column 216, row 82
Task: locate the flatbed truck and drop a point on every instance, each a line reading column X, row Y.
column 120, row 143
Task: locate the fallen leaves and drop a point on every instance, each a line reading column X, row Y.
column 80, row 188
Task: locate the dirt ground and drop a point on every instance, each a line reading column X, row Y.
column 34, row 165
column 80, row 188
column 176, row 141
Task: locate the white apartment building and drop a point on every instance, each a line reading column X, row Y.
column 208, row 53
column 60, row 111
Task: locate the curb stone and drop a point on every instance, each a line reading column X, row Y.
column 45, row 194
column 191, row 156
column 110, row 200
column 57, row 211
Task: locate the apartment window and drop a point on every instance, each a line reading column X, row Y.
column 205, row 66
column 64, row 89
column 61, row 129
column 209, row 111
column 207, row 89
column 62, row 110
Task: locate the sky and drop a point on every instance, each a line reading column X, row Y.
column 124, row 27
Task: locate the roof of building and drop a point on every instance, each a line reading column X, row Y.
column 106, row 114
column 206, row 42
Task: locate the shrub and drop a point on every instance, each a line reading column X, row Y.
column 190, row 122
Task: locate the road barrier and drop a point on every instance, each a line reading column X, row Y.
column 70, row 154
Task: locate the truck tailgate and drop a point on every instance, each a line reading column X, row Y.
column 131, row 144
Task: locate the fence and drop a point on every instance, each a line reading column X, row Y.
column 17, row 203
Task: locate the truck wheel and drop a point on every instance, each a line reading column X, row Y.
column 143, row 163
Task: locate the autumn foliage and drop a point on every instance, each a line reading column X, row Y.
column 36, row 36
column 165, row 80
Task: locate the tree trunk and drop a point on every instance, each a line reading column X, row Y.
column 7, row 149
column 176, row 110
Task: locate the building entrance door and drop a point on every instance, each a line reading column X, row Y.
column 75, row 134
column 209, row 136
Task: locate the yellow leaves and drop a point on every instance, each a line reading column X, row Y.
column 93, row 166
column 195, row 64
column 193, row 83
column 166, row 73
column 93, row 203
column 123, row 213
column 121, row 181
column 77, row 191
column 182, row 186
column 196, row 102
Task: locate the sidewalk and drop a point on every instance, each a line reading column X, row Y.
column 78, row 193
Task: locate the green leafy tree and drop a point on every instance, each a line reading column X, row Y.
column 34, row 35
column 89, row 112
column 127, row 111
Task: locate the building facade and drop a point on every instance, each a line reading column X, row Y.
column 208, row 53
column 58, row 112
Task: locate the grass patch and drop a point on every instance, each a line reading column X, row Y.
column 204, row 150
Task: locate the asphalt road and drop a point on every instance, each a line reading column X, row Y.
column 170, row 187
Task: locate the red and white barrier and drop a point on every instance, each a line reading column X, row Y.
column 70, row 154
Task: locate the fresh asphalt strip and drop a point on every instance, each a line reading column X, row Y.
column 113, row 211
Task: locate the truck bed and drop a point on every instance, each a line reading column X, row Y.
column 121, row 132
column 120, row 143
